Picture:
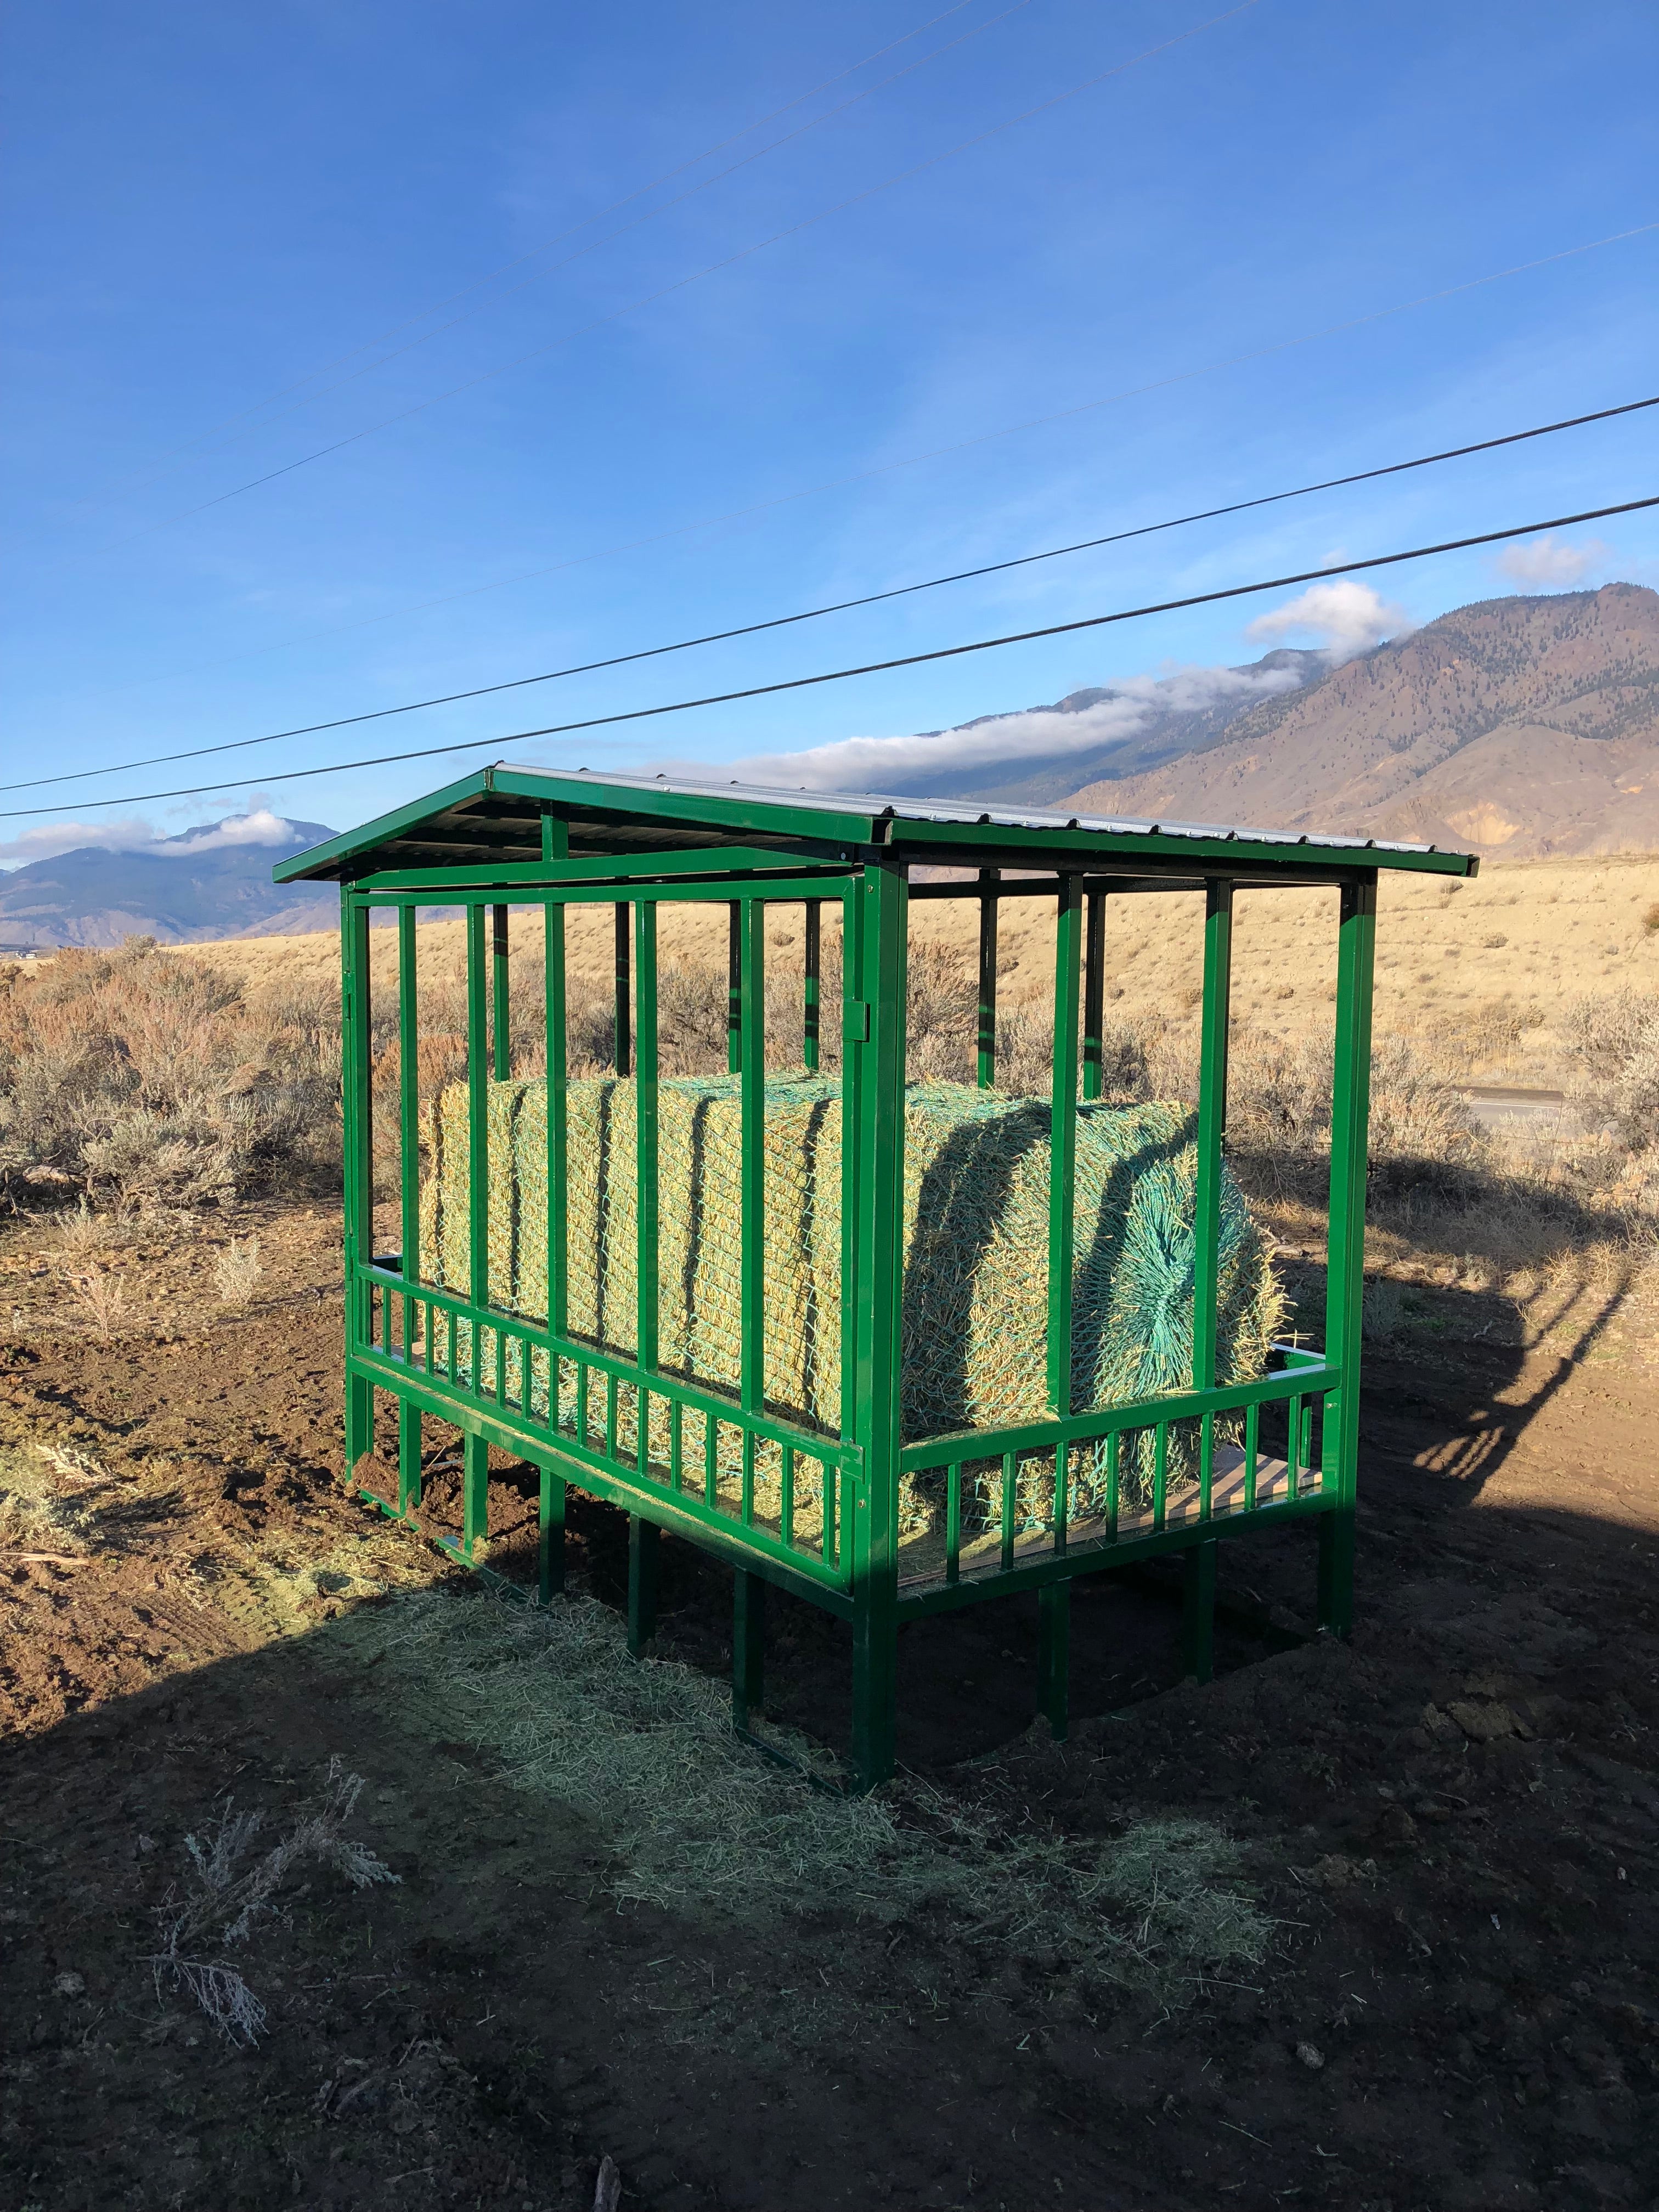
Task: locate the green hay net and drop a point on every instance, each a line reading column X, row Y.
column 974, row 1312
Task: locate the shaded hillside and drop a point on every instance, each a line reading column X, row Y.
column 202, row 884
column 1521, row 726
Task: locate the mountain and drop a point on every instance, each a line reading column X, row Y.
column 211, row 881
column 1520, row 726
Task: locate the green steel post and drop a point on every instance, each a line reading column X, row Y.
column 642, row 1543
column 1213, row 1029
column 852, row 1069
column 734, row 987
column 748, row 1647
column 549, row 1579
column 1345, row 1271
column 475, row 1491
column 409, row 1456
column 986, row 1039
column 813, row 963
column 1198, row 1611
column 558, row 1241
column 501, row 1016
column 752, row 1042
column 1062, row 1145
column 358, row 1238
column 880, row 1136
column 409, row 1114
column 622, row 993
column 1054, row 1657
column 645, row 1135
column 1094, row 990
column 478, row 1129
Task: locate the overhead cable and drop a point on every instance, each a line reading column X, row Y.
column 841, row 606
column 880, row 667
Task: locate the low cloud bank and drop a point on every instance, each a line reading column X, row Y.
column 1551, row 563
column 1347, row 618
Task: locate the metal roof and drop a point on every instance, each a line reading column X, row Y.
column 495, row 814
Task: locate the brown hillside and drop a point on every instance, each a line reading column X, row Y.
column 1525, row 726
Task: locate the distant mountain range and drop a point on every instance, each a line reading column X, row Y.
column 211, row 881
column 1519, row 726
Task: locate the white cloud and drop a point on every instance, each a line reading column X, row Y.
column 261, row 827
column 1551, row 563
column 134, row 835
column 1003, row 744
column 1350, row 617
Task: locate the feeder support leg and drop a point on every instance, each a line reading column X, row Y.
column 748, row 1647
column 475, row 1493
column 1198, row 1612
column 1054, row 1656
column 550, row 1550
column 1344, row 1273
column 409, row 1456
column 642, row 1537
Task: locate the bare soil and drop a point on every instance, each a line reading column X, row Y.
column 1451, row 1820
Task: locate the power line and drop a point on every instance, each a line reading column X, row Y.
column 915, row 460
column 881, row 667
column 611, row 237
column 666, row 291
column 506, row 268
column 844, row 606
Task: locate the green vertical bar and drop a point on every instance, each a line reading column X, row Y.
column 409, row 1456
column 748, row 1647
column 884, row 896
column 986, row 1039
column 851, row 1076
column 1344, row 1276
column 1054, row 1656
column 475, row 1486
column 813, row 960
column 500, row 1019
column 1213, row 1026
column 752, row 1046
column 643, row 1537
column 558, row 1237
column 953, row 1521
column 358, row 1228
column 734, row 987
column 409, row 1112
column 1198, row 1611
column 645, row 1134
column 550, row 1550
column 1010, row 1484
column 624, row 1024
column 1094, row 990
column 786, row 1495
column 1252, row 1453
column 1062, row 1145
column 478, row 1125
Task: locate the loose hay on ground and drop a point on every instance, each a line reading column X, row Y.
column 698, row 1822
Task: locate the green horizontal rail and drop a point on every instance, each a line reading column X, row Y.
column 1044, row 1434
column 722, row 860
column 440, row 888
column 836, row 1452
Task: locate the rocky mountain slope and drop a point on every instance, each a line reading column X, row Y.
column 1524, row 726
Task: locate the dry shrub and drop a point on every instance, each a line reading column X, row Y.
column 229, row 1892
column 149, row 1081
column 1616, row 1042
column 101, row 1295
column 237, row 1270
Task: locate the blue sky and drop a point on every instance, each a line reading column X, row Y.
column 217, row 214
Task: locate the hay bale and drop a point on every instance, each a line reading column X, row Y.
column 974, row 1314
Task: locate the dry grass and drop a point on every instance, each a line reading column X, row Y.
column 100, row 1294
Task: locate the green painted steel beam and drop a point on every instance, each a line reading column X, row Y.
column 985, row 1040
column 752, row 994
column 759, row 861
column 1062, row 1145
column 1214, row 1029
column 645, row 1133
column 1344, row 1269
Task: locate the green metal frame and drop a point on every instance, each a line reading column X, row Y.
column 403, row 1333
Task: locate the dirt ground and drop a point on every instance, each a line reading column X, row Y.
column 1450, row 1823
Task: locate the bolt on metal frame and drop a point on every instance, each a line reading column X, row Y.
column 564, row 1401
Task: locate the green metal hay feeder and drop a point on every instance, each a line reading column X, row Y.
column 895, row 1347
